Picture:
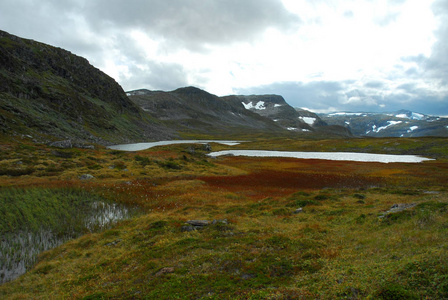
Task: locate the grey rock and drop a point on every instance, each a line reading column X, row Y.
column 187, row 228
column 398, row 207
column 200, row 223
column 62, row 144
column 220, row 221
column 86, row 177
column 298, row 211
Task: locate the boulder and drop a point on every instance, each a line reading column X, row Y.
column 86, row 177
column 298, row 211
column 398, row 207
column 62, row 144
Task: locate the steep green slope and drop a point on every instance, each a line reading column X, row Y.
column 50, row 93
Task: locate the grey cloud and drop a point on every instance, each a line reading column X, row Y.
column 192, row 23
column 156, row 76
column 408, row 87
column 374, row 84
column 437, row 64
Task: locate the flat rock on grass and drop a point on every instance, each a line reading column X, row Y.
column 398, row 207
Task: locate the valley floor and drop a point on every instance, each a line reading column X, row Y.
column 277, row 228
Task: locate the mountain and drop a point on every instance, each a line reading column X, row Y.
column 277, row 109
column 194, row 111
column 403, row 123
column 49, row 93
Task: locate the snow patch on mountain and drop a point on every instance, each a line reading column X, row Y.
column 308, row 120
column 411, row 115
column 346, row 114
column 259, row 105
column 378, row 129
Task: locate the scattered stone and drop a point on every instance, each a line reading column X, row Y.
column 201, row 224
column 187, row 228
column 220, row 221
column 198, row 223
column 398, row 207
column 298, row 211
column 86, row 177
column 84, row 146
column 431, row 192
column 207, row 147
column 62, row 154
column 248, row 276
column 166, row 270
column 62, row 144
column 113, row 243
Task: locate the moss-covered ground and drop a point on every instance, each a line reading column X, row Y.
column 342, row 244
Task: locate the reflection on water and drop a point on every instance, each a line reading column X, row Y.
column 19, row 250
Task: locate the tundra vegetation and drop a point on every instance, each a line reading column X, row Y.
column 277, row 228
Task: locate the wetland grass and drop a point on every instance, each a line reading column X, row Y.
column 38, row 219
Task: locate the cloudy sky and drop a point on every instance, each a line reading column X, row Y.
column 323, row 55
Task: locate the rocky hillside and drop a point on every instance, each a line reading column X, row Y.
column 50, row 94
column 192, row 110
column 402, row 123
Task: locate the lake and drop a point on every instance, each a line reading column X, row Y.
column 347, row 156
column 144, row 146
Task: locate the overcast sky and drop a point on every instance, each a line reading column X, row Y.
column 323, row 55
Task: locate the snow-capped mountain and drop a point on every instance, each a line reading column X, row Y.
column 403, row 123
column 276, row 108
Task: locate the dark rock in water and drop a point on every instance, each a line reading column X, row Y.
column 86, row 177
column 62, row 144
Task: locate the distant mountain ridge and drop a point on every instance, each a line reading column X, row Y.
column 402, row 123
column 193, row 110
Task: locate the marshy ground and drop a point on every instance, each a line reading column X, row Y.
column 344, row 243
